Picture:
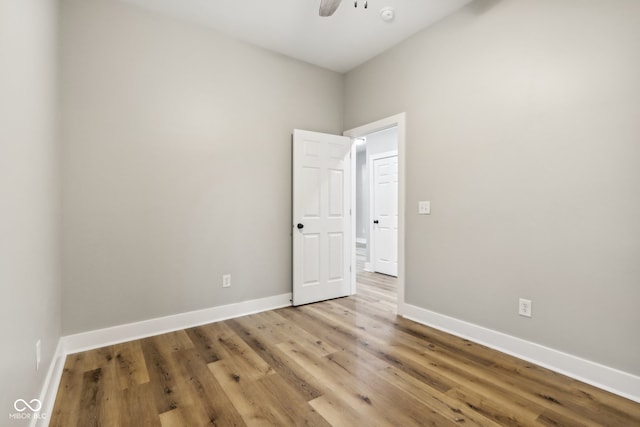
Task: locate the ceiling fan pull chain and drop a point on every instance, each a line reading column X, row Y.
column 366, row 3
column 355, row 3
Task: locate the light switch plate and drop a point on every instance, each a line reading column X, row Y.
column 424, row 208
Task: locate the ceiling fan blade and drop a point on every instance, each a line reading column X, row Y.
column 327, row 7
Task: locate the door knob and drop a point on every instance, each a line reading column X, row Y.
column 376, row 221
column 300, row 226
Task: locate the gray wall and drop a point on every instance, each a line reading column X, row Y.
column 29, row 267
column 177, row 163
column 523, row 130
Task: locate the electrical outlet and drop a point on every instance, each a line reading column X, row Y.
column 424, row 208
column 226, row 280
column 38, row 354
column 524, row 307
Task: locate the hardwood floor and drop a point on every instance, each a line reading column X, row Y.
column 345, row 362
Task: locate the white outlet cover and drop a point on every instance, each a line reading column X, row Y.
column 226, row 280
column 424, row 208
column 524, row 307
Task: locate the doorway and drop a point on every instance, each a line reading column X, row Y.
column 377, row 200
column 378, row 156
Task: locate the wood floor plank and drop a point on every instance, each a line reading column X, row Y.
column 519, row 403
column 336, row 411
column 345, row 362
column 205, row 343
column 347, row 339
column 112, row 398
column 293, row 410
column 357, row 383
column 161, row 376
column 232, row 347
column 173, row 418
column 254, row 410
column 139, row 407
column 297, row 376
column 398, row 390
column 438, row 401
column 210, row 398
column 274, row 328
column 130, row 364
column 67, row 405
column 550, row 418
column 534, row 395
column 90, row 398
column 495, row 407
column 338, row 387
column 172, row 388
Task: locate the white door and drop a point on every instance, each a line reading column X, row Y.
column 385, row 214
column 321, row 217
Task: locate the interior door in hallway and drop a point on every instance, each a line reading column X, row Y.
column 321, row 216
column 385, row 214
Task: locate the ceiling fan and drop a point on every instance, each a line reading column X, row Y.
column 328, row 7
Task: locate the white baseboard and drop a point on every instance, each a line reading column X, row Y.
column 50, row 388
column 132, row 331
column 621, row 383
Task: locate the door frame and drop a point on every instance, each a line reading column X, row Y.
column 398, row 120
column 370, row 159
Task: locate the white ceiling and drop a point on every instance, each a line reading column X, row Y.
column 292, row 27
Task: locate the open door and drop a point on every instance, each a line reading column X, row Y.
column 321, row 217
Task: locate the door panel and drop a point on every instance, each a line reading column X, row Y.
column 336, row 256
column 311, row 248
column 336, row 193
column 321, row 216
column 311, row 205
column 385, row 212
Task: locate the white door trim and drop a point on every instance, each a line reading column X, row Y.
column 398, row 120
column 370, row 159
